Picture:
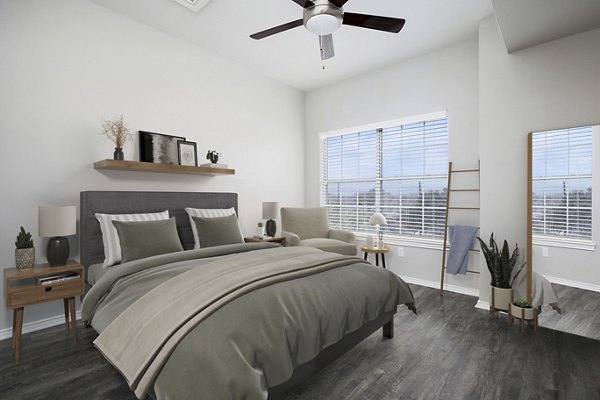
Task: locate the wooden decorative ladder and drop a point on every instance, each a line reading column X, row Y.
column 446, row 247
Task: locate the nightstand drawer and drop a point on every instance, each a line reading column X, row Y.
column 32, row 294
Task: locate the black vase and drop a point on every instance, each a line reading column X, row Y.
column 214, row 158
column 57, row 251
column 271, row 227
column 118, row 154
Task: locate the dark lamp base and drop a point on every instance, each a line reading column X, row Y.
column 271, row 227
column 57, row 251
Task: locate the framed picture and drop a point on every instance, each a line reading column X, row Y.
column 187, row 154
column 159, row 148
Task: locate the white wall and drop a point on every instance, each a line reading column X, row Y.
column 66, row 65
column 444, row 80
column 550, row 86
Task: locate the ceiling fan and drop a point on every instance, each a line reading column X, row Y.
column 323, row 17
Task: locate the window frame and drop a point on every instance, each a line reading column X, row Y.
column 578, row 243
column 397, row 239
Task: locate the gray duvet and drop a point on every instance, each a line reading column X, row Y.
column 232, row 321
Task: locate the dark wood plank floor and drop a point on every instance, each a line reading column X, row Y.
column 580, row 312
column 449, row 351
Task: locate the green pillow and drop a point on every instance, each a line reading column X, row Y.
column 217, row 231
column 141, row 239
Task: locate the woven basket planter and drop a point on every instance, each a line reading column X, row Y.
column 24, row 258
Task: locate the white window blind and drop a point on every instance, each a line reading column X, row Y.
column 400, row 171
column 562, row 183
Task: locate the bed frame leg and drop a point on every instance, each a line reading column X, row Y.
column 388, row 329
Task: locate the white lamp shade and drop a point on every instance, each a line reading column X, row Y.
column 377, row 219
column 270, row 209
column 57, row 221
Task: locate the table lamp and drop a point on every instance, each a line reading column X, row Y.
column 270, row 210
column 56, row 222
column 378, row 219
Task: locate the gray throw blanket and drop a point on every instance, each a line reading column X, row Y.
column 461, row 240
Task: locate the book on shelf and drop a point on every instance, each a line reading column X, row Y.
column 47, row 280
column 211, row 165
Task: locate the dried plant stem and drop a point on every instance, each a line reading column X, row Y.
column 117, row 131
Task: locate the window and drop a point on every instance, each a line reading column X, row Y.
column 400, row 171
column 562, row 183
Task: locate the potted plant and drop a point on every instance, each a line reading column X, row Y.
column 213, row 156
column 501, row 264
column 24, row 252
column 521, row 308
column 117, row 131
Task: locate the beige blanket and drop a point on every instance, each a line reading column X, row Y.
column 140, row 340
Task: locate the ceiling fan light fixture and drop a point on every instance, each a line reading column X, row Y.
column 323, row 24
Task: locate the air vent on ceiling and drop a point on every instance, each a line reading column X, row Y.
column 194, row 5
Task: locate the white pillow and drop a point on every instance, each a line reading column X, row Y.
column 208, row 213
column 110, row 237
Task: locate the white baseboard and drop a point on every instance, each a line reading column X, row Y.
column 33, row 326
column 484, row 305
column 576, row 284
column 436, row 285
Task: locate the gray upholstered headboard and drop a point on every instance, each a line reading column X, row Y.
column 112, row 202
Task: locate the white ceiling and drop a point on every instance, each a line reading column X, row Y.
column 223, row 27
column 528, row 23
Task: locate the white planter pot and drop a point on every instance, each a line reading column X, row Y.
column 522, row 313
column 501, row 298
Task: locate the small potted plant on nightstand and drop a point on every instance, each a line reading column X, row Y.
column 25, row 252
column 501, row 264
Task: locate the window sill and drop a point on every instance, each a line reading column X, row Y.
column 575, row 244
column 407, row 241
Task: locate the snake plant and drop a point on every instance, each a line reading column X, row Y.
column 501, row 263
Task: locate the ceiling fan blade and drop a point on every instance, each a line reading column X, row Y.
column 276, row 29
column 326, row 46
column 386, row 24
column 304, row 3
column 338, row 3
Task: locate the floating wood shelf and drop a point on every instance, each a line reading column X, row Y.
column 126, row 165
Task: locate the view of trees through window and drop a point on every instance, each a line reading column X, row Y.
column 400, row 171
column 562, row 183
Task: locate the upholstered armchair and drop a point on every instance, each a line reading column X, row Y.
column 310, row 227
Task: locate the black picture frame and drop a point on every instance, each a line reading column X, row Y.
column 186, row 153
column 158, row 147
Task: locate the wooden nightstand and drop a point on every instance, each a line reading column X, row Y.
column 21, row 289
column 377, row 251
column 273, row 239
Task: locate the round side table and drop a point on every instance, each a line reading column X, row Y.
column 377, row 251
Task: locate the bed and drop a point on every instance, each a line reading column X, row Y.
column 238, row 321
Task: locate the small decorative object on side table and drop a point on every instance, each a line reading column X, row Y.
column 377, row 251
column 272, row 239
column 24, row 252
column 378, row 219
column 40, row 284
